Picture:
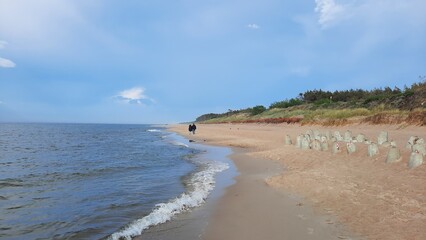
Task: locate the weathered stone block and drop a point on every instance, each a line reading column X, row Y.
column 305, row 143
column 350, row 147
column 327, row 134
column 316, row 145
column 335, row 148
column 411, row 141
column 299, row 141
column 324, row 145
column 317, row 135
column 347, row 136
column 383, row 137
column 338, row 136
column 373, row 149
column 360, row 138
column 393, row 155
column 419, row 148
column 308, row 137
column 416, row 159
column 287, row 140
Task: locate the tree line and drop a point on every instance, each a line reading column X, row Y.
column 406, row 98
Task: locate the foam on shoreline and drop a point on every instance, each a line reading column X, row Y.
column 200, row 184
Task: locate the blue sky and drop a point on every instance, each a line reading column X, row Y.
column 134, row 61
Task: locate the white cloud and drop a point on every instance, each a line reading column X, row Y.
column 133, row 95
column 253, row 26
column 329, row 12
column 6, row 63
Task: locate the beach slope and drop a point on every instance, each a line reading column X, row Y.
column 284, row 192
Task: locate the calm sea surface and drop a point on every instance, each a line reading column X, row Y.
column 92, row 181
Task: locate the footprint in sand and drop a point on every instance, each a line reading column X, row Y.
column 310, row 231
column 301, row 216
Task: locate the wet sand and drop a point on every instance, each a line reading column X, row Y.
column 252, row 210
column 284, row 192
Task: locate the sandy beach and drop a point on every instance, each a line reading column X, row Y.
column 284, row 192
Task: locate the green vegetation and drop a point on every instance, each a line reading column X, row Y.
column 339, row 107
column 257, row 110
column 286, row 103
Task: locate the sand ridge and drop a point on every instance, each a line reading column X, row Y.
column 374, row 199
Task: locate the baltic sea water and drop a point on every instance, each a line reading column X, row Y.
column 92, row 181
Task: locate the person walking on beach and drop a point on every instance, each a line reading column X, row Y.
column 193, row 128
column 190, row 128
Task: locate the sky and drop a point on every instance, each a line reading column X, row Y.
column 158, row 61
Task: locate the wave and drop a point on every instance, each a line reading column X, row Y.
column 202, row 183
column 179, row 144
column 153, row 130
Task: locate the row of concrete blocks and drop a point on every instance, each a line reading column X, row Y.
column 320, row 142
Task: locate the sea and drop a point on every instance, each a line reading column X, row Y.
column 101, row 181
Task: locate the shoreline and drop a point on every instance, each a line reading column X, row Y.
column 191, row 224
column 367, row 197
column 252, row 210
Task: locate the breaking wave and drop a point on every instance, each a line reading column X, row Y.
column 153, row 130
column 201, row 184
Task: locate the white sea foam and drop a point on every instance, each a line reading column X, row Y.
column 179, row 144
column 202, row 184
column 153, row 130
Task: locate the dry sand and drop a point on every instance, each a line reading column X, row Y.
column 372, row 199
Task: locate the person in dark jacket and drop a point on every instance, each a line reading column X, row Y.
column 190, row 128
column 193, row 128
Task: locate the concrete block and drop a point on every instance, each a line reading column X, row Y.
column 416, row 159
column 419, row 148
column 393, row 155
column 350, row 147
column 383, row 137
column 305, row 143
column 338, row 136
column 308, row 137
column 324, row 145
column 360, row 138
column 287, row 140
column 299, row 141
column 316, row 145
column 317, row 135
column 327, row 134
column 411, row 141
column 373, row 149
column 335, row 147
column 347, row 136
